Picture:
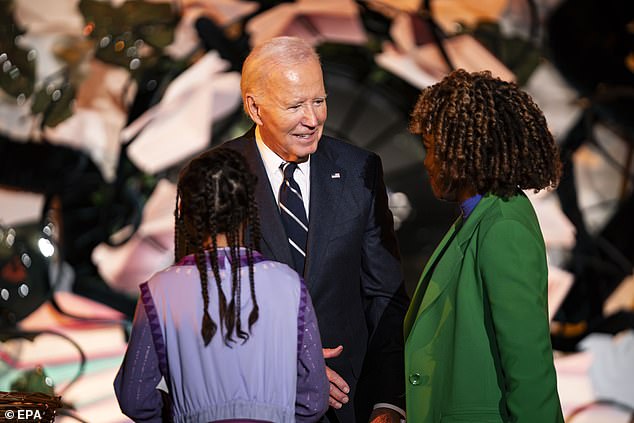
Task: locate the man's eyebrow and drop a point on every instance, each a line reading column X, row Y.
column 298, row 100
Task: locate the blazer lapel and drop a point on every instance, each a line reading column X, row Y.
column 457, row 239
column 271, row 227
column 472, row 223
column 423, row 291
column 326, row 185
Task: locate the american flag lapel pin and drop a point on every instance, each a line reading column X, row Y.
column 336, row 175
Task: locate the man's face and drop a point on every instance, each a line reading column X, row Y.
column 293, row 110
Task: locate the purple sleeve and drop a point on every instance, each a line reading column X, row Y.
column 312, row 384
column 136, row 381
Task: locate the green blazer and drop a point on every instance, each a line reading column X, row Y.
column 477, row 338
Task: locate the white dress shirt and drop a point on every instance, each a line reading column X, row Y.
column 272, row 163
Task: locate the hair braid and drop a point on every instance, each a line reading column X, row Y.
column 254, row 241
column 209, row 327
column 222, row 300
column 178, row 229
column 215, row 196
column 238, row 281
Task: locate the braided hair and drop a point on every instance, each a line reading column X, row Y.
column 487, row 134
column 215, row 196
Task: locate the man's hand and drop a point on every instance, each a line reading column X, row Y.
column 338, row 387
column 385, row 415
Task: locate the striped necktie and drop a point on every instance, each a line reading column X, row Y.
column 293, row 215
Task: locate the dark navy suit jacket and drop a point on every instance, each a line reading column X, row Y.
column 352, row 268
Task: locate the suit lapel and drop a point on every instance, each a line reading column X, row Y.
column 326, row 185
column 272, row 229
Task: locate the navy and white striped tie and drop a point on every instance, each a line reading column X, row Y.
column 293, row 215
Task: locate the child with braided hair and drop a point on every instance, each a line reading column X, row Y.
column 227, row 334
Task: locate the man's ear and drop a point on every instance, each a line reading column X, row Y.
column 253, row 109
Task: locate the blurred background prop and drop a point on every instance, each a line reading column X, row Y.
column 101, row 102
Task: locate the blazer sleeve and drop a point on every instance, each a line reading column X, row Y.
column 384, row 293
column 512, row 263
column 139, row 374
column 312, row 384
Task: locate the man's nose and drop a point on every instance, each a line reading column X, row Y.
column 310, row 116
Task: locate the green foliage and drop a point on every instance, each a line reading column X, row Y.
column 131, row 36
column 34, row 380
column 54, row 102
column 17, row 66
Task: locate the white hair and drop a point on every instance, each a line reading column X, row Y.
column 267, row 57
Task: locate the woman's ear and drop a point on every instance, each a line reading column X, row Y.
column 253, row 109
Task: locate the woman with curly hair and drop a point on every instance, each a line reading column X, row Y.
column 229, row 335
column 477, row 334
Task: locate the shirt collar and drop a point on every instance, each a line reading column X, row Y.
column 190, row 260
column 272, row 161
column 469, row 204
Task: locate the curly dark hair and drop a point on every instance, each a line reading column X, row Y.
column 487, row 134
column 215, row 195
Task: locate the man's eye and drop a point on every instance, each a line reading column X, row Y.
column 295, row 107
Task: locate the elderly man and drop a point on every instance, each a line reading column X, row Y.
column 324, row 212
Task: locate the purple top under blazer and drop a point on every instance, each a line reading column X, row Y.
column 278, row 375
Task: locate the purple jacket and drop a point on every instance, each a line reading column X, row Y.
column 277, row 375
